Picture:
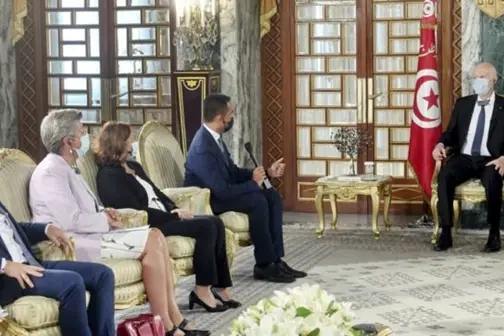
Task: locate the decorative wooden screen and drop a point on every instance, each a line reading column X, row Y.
column 143, row 88
column 73, row 57
column 326, row 86
column 396, row 31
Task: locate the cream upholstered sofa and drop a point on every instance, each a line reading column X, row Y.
column 163, row 160
column 34, row 315
column 181, row 248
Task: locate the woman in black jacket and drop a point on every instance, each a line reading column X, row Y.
column 123, row 184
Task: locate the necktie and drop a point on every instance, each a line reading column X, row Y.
column 17, row 238
column 480, row 128
column 223, row 150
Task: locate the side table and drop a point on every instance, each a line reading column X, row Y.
column 348, row 190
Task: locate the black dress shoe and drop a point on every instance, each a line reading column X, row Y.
column 229, row 303
column 190, row 332
column 493, row 244
column 445, row 240
column 289, row 270
column 272, row 273
column 194, row 299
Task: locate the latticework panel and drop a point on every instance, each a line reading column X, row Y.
column 29, row 126
column 73, row 57
column 326, row 83
column 456, row 43
column 396, row 27
column 274, row 114
column 142, row 55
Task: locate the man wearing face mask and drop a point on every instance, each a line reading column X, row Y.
column 209, row 165
column 475, row 136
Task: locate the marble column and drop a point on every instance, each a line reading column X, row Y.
column 240, row 75
column 8, row 118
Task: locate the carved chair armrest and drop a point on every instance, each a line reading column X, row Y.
column 196, row 200
column 439, row 165
column 46, row 250
column 133, row 218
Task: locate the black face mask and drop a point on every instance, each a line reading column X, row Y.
column 228, row 125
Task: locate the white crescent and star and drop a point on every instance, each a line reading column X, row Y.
column 426, row 108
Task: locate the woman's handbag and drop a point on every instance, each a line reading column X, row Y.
column 143, row 325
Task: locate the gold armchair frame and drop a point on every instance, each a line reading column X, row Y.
column 471, row 191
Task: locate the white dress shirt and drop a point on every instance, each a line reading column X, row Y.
column 154, row 202
column 7, row 235
column 14, row 249
column 466, row 148
column 214, row 134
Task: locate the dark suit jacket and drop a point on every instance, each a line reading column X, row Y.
column 206, row 168
column 118, row 189
column 455, row 134
column 31, row 234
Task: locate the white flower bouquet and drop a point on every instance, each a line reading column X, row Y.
column 302, row 311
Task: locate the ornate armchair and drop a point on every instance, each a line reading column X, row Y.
column 39, row 315
column 181, row 248
column 163, row 160
column 471, row 191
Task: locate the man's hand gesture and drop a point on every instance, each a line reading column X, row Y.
column 499, row 165
column 439, row 152
column 277, row 168
column 22, row 272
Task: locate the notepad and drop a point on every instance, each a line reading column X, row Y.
column 138, row 228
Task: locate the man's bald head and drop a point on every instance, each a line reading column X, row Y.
column 484, row 78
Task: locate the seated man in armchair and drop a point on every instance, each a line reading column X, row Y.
column 22, row 274
column 475, row 136
column 209, row 165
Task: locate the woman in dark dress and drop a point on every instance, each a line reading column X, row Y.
column 123, row 183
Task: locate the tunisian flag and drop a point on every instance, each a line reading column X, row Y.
column 426, row 118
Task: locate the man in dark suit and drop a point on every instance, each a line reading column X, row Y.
column 22, row 274
column 475, row 136
column 209, row 165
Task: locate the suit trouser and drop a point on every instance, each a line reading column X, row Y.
column 210, row 260
column 67, row 282
column 461, row 168
column 264, row 210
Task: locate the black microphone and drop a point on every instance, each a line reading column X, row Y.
column 248, row 148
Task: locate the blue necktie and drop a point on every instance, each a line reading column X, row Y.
column 17, row 238
column 480, row 128
column 223, row 150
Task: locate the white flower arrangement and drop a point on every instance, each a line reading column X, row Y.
column 307, row 310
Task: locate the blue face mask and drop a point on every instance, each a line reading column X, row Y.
column 134, row 151
column 84, row 148
column 480, row 86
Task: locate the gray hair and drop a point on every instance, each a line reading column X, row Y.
column 57, row 125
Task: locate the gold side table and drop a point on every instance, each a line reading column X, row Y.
column 348, row 190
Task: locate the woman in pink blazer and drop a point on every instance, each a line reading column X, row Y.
column 59, row 195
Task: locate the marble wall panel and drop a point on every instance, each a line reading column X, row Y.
column 8, row 118
column 240, row 76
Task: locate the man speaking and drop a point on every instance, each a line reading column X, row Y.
column 209, row 165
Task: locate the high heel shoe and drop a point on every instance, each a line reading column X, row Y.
column 194, row 299
column 230, row 303
column 192, row 332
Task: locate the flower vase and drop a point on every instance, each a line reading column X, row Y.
column 351, row 171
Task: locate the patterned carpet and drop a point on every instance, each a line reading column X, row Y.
column 397, row 280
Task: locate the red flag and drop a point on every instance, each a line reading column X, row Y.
column 426, row 118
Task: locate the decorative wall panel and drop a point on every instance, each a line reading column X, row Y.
column 143, row 89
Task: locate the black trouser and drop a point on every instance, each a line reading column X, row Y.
column 264, row 210
column 210, row 259
column 461, row 168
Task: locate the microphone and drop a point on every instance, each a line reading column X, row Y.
column 248, row 148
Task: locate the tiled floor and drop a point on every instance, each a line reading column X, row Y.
column 397, row 280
